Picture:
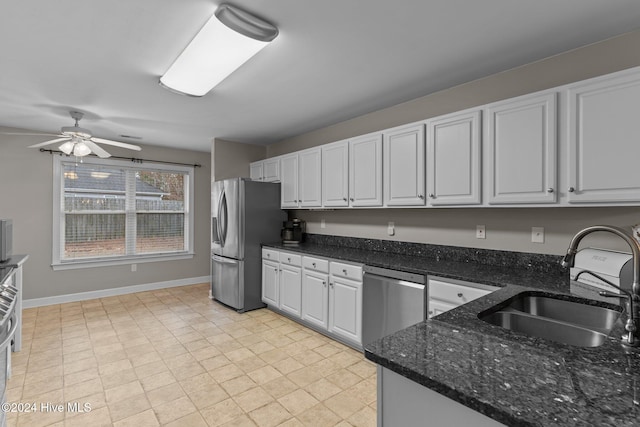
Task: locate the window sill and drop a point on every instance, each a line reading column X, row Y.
column 140, row 259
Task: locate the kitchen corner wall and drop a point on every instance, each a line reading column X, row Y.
column 231, row 159
column 507, row 228
column 26, row 195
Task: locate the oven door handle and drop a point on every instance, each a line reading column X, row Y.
column 12, row 332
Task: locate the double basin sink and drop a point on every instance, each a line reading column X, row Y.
column 569, row 321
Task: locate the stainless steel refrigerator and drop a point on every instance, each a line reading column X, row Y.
column 245, row 214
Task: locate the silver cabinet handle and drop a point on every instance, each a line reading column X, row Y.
column 324, row 283
column 331, row 284
column 420, row 196
column 344, row 199
column 432, row 196
column 344, row 271
column 549, row 190
column 289, row 259
column 313, row 264
column 571, row 189
column 460, row 295
column 351, row 199
column 268, row 255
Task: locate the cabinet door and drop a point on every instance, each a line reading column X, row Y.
column 270, row 283
column 453, row 159
column 404, row 166
column 335, row 174
column 289, row 181
column 290, row 289
column 345, row 308
column 603, row 139
column 365, row 171
column 271, row 170
column 438, row 307
column 256, row 171
column 521, row 150
column 309, row 181
column 315, row 298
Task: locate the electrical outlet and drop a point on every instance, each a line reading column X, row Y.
column 323, row 224
column 481, row 232
column 134, row 267
column 391, row 229
column 537, row 234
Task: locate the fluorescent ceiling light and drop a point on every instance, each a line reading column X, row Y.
column 230, row 38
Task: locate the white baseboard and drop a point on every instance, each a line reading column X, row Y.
column 83, row 296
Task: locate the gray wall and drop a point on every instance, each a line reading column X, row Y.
column 26, row 196
column 231, row 159
column 507, row 228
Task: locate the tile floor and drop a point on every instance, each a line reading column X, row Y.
column 173, row 357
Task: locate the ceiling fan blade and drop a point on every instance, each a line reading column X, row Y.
column 30, row 134
column 96, row 149
column 116, row 143
column 53, row 141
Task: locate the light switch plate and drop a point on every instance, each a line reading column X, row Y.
column 537, row 234
column 323, row 224
column 481, row 232
column 391, row 229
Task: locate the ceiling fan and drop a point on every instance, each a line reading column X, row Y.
column 79, row 141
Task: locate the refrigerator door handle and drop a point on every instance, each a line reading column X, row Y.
column 223, row 260
column 218, row 222
column 224, row 218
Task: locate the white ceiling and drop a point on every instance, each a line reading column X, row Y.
column 333, row 60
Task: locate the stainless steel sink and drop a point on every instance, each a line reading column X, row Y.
column 554, row 318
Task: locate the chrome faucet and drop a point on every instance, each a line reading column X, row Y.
column 633, row 297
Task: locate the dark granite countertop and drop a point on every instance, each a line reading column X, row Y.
column 515, row 379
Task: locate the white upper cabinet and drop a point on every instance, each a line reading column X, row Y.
column 309, row 178
column 335, row 174
column 453, row 159
column 289, row 181
column 365, row 170
column 521, row 154
column 604, row 151
column 404, row 178
column 256, row 172
column 271, row 170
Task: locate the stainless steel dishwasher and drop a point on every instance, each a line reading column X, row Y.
column 392, row 300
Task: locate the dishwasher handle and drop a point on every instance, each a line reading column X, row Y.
column 395, row 274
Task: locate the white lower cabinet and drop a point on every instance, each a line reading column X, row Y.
column 345, row 308
column 290, row 289
column 323, row 293
column 315, row 298
column 447, row 294
column 270, row 270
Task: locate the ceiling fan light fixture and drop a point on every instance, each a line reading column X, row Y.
column 67, row 147
column 81, row 149
column 229, row 39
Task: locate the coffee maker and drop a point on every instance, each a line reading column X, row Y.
column 293, row 231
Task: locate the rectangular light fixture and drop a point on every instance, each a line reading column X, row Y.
column 228, row 40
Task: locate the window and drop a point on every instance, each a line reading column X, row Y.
column 112, row 212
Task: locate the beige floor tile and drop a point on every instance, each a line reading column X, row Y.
column 344, row 404
column 143, row 419
column 298, row 401
column 324, row 389
column 221, row 412
column 192, row 420
column 270, row 415
column 162, row 395
column 238, row 385
column 173, row 357
column 123, row 391
column 128, row 407
column 253, row 399
column 319, row 416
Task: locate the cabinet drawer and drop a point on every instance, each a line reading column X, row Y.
column 456, row 293
column 349, row 271
column 291, row 259
column 270, row 254
column 316, row 264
